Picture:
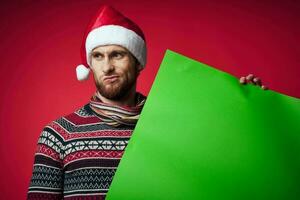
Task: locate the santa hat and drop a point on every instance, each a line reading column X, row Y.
column 111, row 27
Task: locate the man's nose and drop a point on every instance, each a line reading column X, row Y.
column 107, row 66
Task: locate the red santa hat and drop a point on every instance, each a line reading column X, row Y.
column 111, row 27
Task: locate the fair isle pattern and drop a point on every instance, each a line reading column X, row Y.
column 77, row 156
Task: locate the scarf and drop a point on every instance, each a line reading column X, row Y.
column 117, row 115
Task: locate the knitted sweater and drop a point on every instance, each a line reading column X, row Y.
column 77, row 157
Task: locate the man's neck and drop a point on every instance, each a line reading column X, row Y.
column 128, row 100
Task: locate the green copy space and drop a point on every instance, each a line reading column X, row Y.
column 202, row 135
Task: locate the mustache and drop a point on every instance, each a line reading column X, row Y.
column 110, row 74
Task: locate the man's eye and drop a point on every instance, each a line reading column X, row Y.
column 97, row 55
column 118, row 55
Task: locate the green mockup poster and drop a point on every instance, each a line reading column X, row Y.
column 202, row 135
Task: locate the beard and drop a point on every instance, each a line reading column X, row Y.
column 116, row 90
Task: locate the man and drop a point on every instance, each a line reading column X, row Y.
column 78, row 154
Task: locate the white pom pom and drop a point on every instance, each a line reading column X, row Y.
column 82, row 72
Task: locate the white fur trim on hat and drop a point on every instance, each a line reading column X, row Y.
column 118, row 35
column 82, row 72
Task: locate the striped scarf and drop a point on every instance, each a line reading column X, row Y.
column 117, row 115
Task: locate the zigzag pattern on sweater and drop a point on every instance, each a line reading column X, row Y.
column 46, row 170
column 46, row 185
column 87, row 186
column 85, row 179
column 91, row 172
column 77, row 159
column 46, row 177
column 92, row 181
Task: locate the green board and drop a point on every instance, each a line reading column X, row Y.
column 202, row 135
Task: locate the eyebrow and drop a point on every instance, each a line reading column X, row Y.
column 110, row 53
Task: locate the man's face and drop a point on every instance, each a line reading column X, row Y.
column 115, row 70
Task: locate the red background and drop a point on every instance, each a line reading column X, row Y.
column 40, row 43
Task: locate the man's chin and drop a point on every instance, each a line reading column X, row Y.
column 112, row 88
column 113, row 93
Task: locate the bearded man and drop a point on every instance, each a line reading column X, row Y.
column 78, row 154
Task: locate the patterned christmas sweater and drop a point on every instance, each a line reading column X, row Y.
column 77, row 157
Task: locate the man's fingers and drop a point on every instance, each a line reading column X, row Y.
column 264, row 87
column 257, row 81
column 243, row 80
column 250, row 77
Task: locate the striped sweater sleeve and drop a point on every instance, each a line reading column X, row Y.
column 47, row 176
